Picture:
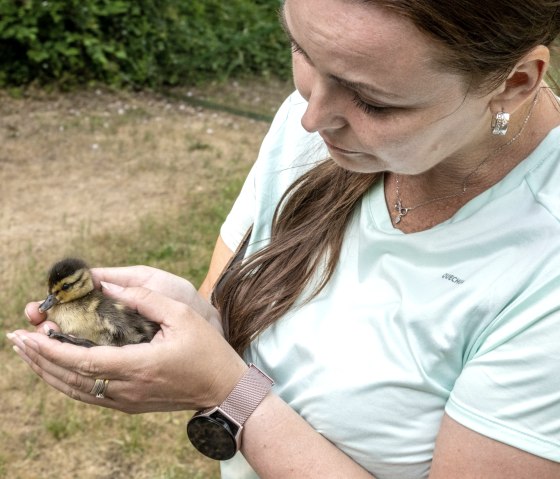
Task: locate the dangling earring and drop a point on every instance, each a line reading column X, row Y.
column 500, row 123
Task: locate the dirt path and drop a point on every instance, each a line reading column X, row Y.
column 85, row 162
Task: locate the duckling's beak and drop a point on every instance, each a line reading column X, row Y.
column 48, row 303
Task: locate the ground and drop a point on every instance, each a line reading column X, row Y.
column 88, row 161
column 78, row 166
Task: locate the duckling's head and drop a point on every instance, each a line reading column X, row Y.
column 69, row 279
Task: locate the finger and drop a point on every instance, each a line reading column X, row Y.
column 33, row 314
column 101, row 361
column 117, row 393
column 111, row 392
column 70, row 383
column 47, row 326
column 161, row 308
column 123, row 276
column 161, row 281
column 150, row 304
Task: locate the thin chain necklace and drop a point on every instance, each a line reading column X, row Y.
column 403, row 210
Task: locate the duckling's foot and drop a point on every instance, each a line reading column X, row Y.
column 65, row 338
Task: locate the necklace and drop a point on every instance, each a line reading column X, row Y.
column 403, row 210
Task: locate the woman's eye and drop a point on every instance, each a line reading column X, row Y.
column 370, row 109
column 296, row 48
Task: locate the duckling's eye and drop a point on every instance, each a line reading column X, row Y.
column 66, row 287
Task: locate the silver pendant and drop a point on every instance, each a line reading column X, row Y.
column 400, row 212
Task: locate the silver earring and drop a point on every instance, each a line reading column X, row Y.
column 500, row 123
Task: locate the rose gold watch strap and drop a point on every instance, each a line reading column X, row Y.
column 247, row 394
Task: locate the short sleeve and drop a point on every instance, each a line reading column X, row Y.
column 241, row 216
column 285, row 146
column 510, row 389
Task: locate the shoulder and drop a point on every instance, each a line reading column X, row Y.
column 288, row 148
column 286, row 153
column 543, row 179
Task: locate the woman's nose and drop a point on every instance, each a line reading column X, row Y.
column 322, row 112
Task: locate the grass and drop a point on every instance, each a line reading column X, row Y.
column 153, row 191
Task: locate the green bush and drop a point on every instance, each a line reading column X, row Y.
column 139, row 43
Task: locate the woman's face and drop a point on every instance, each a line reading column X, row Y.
column 375, row 93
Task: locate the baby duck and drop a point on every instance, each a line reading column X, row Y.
column 86, row 316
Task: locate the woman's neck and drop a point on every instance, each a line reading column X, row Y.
column 435, row 196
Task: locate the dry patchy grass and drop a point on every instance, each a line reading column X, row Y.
column 116, row 178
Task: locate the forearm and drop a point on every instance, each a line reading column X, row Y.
column 220, row 258
column 277, row 442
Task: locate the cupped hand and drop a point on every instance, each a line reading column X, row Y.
column 188, row 365
column 154, row 279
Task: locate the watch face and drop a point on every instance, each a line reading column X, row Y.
column 212, row 436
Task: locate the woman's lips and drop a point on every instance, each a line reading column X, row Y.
column 340, row 150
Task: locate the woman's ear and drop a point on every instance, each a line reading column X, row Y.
column 523, row 81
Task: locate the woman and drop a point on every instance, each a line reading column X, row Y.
column 403, row 296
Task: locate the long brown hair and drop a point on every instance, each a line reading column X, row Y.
column 483, row 43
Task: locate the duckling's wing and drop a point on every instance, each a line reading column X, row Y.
column 122, row 325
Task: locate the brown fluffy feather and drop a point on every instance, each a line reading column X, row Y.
column 85, row 315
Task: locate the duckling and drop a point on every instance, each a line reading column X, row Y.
column 86, row 316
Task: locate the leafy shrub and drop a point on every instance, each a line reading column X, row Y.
column 139, row 42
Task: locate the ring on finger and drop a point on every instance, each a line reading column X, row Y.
column 99, row 388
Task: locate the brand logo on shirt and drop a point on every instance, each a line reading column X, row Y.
column 453, row 279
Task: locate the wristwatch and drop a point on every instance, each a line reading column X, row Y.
column 216, row 431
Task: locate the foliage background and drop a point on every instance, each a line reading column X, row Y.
column 139, row 43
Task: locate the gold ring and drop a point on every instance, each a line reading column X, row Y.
column 99, row 388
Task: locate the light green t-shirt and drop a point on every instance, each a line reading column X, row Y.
column 462, row 318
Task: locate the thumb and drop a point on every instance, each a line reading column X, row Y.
column 111, row 288
column 33, row 314
column 152, row 305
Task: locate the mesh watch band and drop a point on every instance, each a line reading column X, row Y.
column 247, row 394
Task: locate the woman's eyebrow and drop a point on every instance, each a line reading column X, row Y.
column 365, row 87
column 284, row 25
column 358, row 86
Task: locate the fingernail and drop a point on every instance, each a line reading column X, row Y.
column 46, row 328
column 19, row 344
column 13, row 337
column 27, row 314
column 22, row 354
column 114, row 288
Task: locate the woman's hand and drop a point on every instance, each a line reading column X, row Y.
column 188, row 364
column 154, row 279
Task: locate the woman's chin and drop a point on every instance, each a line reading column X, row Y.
column 357, row 162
